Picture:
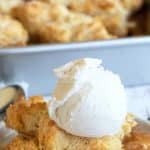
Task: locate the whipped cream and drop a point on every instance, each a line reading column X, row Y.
column 88, row 100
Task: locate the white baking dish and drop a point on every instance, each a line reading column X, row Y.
column 129, row 57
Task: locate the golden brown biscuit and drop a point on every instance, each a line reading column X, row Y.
column 7, row 5
column 52, row 138
column 138, row 140
column 112, row 12
column 22, row 143
column 51, row 22
column 12, row 33
column 24, row 116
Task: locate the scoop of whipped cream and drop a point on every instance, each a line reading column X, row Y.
column 88, row 100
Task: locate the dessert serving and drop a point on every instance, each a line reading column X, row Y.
column 57, row 21
column 87, row 111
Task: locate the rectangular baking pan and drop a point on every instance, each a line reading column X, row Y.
column 129, row 57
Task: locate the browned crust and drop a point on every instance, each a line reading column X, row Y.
column 22, row 143
column 12, row 32
column 50, row 26
column 24, row 116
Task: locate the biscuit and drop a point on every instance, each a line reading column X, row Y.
column 12, row 32
column 50, row 23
